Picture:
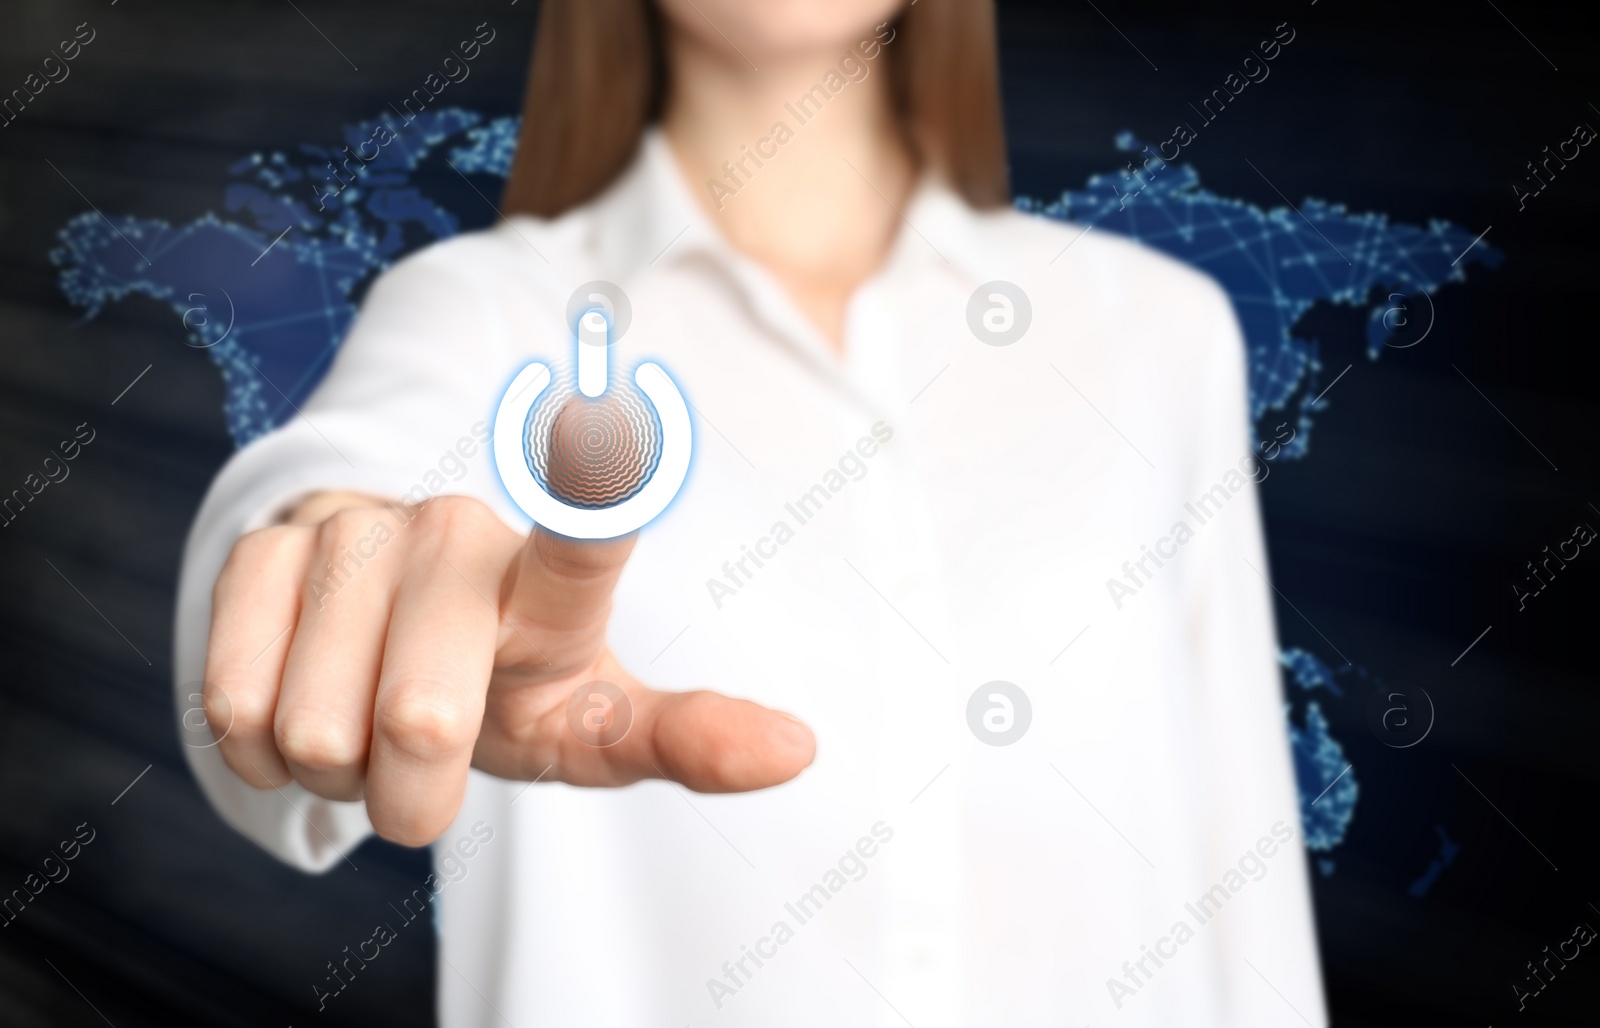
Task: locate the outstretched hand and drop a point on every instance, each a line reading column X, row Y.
column 418, row 642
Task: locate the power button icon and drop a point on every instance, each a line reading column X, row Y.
column 600, row 460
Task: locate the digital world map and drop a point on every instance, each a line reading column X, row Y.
column 269, row 288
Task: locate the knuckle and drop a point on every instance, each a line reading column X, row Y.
column 423, row 725
column 311, row 739
column 343, row 526
column 244, row 703
column 261, row 548
column 217, row 702
column 454, row 516
column 271, row 541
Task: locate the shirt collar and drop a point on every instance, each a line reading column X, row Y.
column 650, row 220
column 650, row 217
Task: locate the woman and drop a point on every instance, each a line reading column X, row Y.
column 1035, row 771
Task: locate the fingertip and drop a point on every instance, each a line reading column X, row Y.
column 397, row 817
column 796, row 741
column 409, row 834
column 715, row 744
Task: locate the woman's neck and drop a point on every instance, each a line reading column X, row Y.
column 804, row 180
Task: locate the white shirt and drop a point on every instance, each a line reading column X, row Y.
column 960, row 882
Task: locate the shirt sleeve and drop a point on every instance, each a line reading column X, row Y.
column 410, row 385
column 1269, row 957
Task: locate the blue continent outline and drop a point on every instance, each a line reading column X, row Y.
column 1274, row 264
column 306, row 266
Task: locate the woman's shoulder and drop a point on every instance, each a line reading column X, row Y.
column 1115, row 266
column 1081, row 280
column 509, row 245
column 514, row 260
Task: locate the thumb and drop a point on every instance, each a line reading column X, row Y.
column 558, row 591
column 714, row 743
column 704, row 740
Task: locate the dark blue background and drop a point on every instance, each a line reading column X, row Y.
column 1398, row 535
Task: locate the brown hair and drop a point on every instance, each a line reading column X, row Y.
column 599, row 77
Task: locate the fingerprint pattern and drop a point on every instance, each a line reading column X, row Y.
column 593, row 452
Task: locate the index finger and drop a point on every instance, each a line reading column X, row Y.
column 559, row 592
